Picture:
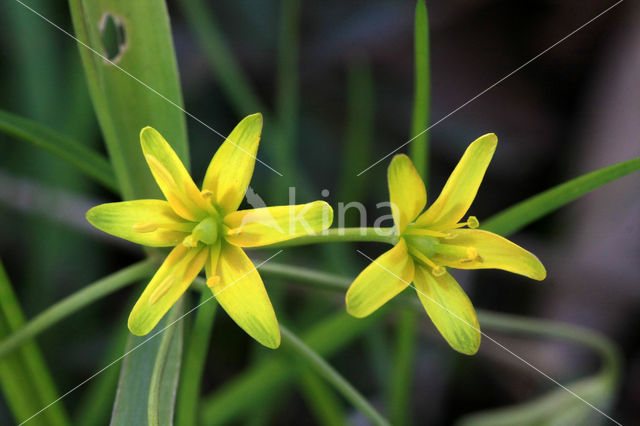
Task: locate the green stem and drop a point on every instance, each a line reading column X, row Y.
column 402, row 368
column 332, row 376
column 71, row 304
column 342, row 235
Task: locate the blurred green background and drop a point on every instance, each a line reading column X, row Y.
column 573, row 110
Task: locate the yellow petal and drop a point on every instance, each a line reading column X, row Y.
column 269, row 225
column 407, row 193
column 175, row 275
column 383, row 279
column 450, row 310
column 231, row 168
column 241, row 293
column 171, row 175
column 495, row 252
column 147, row 222
column 461, row 188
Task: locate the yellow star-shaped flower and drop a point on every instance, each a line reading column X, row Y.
column 430, row 242
column 208, row 230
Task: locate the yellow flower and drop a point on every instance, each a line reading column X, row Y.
column 208, row 230
column 430, row 242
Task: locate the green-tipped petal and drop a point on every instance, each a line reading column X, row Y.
column 172, row 177
column 494, row 252
column 407, row 193
column 175, row 275
column 379, row 282
column 461, row 188
column 240, row 291
column 450, row 310
column 231, row 168
column 269, row 225
column 147, row 222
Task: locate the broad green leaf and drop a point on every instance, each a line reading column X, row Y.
column 419, row 147
column 520, row 215
column 136, row 86
column 142, row 387
column 85, row 159
column 26, row 383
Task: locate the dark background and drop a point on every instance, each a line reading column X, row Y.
column 574, row 109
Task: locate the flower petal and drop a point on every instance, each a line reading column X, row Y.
column 383, row 279
column 450, row 310
column 269, row 225
column 172, row 177
column 231, row 168
column 241, row 293
column 147, row 222
column 173, row 277
column 495, row 252
column 407, row 193
column 461, row 188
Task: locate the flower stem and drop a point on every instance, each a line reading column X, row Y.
column 331, row 375
column 71, row 304
column 341, row 235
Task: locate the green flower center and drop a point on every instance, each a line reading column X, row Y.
column 206, row 231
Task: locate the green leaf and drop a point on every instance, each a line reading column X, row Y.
column 149, row 375
column 520, row 215
column 195, row 357
column 137, row 87
column 419, row 147
column 25, row 380
column 166, row 371
column 85, row 159
column 321, row 399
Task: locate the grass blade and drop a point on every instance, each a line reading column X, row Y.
column 327, row 372
column 85, row 159
column 520, row 215
column 419, row 148
column 25, row 380
column 191, row 378
column 166, row 370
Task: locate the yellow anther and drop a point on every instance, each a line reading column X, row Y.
column 438, row 271
column 211, row 282
column 144, row 227
column 472, row 222
column 162, row 289
column 160, row 170
column 234, row 231
column 206, row 194
column 189, row 241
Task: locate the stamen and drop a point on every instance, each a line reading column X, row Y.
column 436, row 270
column 190, row 241
column 206, row 194
column 144, row 227
column 458, row 252
column 211, row 282
column 473, row 222
column 234, row 231
column 428, row 233
column 162, row 289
